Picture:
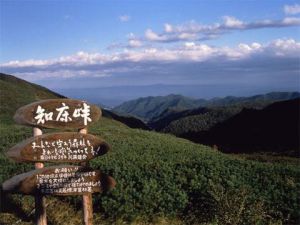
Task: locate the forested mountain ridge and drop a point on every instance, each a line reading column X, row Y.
column 149, row 107
column 154, row 108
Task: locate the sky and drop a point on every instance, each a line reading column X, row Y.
column 217, row 48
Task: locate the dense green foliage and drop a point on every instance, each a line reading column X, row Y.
column 201, row 122
column 159, row 175
column 154, row 108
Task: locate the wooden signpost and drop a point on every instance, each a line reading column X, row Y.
column 58, row 113
column 59, row 147
column 60, row 180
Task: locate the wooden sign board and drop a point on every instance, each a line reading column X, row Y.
column 60, row 180
column 58, row 113
column 59, row 147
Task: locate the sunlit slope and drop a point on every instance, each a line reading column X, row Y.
column 15, row 92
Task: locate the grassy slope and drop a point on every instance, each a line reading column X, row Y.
column 15, row 92
column 160, row 175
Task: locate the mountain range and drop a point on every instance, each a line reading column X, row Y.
column 154, row 108
column 260, row 123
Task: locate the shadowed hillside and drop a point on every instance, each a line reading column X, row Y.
column 274, row 128
column 130, row 121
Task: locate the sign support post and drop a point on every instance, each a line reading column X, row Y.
column 40, row 204
column 87, row 201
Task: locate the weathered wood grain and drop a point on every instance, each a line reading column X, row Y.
column 39, row 200
column 52, row 113
column 75, row 180
column 59, row 147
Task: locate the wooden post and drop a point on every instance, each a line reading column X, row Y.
column 40, row 204
column 87, row 201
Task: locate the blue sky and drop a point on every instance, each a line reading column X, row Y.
column 120, row 43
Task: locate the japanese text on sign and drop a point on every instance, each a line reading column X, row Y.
column 67, row 180
column 70, row 149
column 62, row 114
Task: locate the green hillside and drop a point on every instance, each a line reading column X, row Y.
column 15, row 92
column 161, row 179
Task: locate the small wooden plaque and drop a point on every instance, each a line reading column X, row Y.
column 59, row 147
column 60, row 180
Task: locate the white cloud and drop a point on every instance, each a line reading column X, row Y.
column 283, row 48
column 291, row 9
column 169, row 37
column 291, row 21
column 189, row 44
column 152, row 36
column 188, row 62
column 168, row 28
column 135, row 43
column 124, row 18
column 187, row 51
column 232, row 22
column 192, row 30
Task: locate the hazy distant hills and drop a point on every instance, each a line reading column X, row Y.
column 155, row 108
column 151, row 107
column 274, row 128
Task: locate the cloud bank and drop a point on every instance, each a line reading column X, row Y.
column 276, row 62
column 193, row 31
column 292, row 9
